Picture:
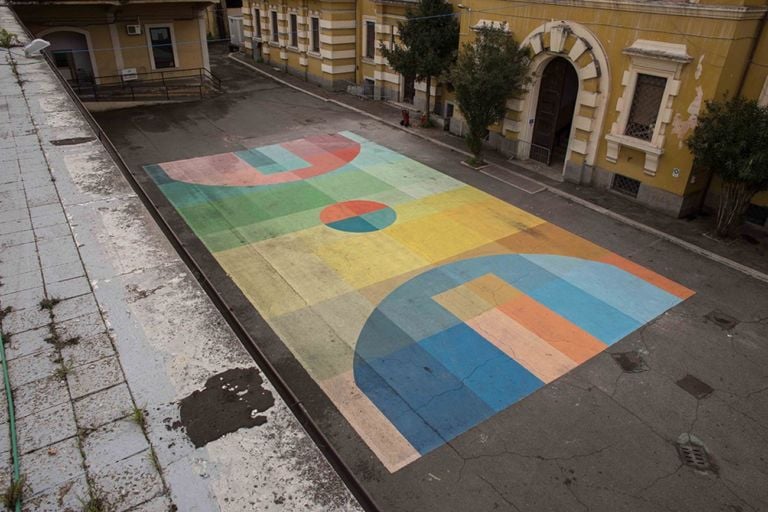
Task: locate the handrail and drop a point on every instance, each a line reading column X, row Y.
column 160, row 84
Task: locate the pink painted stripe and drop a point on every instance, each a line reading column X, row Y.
column 536, row 355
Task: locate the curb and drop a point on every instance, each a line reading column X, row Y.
column 744, row 269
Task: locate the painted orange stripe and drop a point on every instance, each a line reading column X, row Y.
column 650, row 276
column 361, row 207
column 536, row 355
column 348, row 209
column 564, row 336
column 335, row 213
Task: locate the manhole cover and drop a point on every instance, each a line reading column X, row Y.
column 722, row 320
column 630, row 362
column 695, row 456
column 695, row 387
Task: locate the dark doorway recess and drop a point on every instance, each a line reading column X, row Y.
column 554, row 112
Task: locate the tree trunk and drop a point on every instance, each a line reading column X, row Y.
column 734, row 201
column 475, row 146
column 426, row 109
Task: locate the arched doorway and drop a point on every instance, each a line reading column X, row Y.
column 558, row 91
column 72, row 56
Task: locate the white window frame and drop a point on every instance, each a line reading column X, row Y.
column 653, row 58
column 311, row 50
column 174, row 46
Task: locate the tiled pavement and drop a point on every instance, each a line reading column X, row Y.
column 130, row 330
column 77, row 436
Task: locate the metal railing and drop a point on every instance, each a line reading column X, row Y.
column 153, row 85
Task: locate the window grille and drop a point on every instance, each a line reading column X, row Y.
column 627, row 186
column 370, row 39
column 294, row 31
column 316, row 35
column 274, row 27
column 645, row 106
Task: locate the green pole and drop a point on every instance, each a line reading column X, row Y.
column 11, row 420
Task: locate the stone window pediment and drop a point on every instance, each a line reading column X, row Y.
column 654, row 70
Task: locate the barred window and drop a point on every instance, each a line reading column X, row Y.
column 370, row 39
column 315, row 35
column 273, row 28
column 646, row 103
column 294, row 31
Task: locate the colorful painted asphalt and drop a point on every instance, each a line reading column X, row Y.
column 420, row 305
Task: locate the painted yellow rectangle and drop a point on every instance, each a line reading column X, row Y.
column 366, row 259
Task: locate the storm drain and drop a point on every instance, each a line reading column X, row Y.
column 726, row 322
column 694, row 456
column 695, row 387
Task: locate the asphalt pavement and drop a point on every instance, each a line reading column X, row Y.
column 612, row 433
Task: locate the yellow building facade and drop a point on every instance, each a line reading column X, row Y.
column 98, row 40
column 616, row 89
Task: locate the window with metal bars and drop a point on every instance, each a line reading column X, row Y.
column 627, row 186
column 646, row 103
column 274, row 35
column 370, row 39
column 315, row 35
column 294, row 41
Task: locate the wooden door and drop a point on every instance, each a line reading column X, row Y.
column 547, row 110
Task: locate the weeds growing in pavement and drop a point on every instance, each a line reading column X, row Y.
column 13, row 493
column 139, row 417
column 48, row 303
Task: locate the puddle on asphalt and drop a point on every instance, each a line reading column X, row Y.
column 230, row 400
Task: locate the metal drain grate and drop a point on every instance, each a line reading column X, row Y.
column 627, row 186
column 695, row 456
column 695, row 387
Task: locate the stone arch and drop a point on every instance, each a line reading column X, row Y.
column 76, row 30
column 580, row 46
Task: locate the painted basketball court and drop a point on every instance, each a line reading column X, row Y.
column 421, row 306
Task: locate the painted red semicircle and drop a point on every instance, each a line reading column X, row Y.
column 348, row 209
column 324, row 153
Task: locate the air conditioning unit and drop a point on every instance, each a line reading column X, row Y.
column 133, row 30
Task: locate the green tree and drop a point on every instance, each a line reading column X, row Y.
column 429, row 38
column 485, row 75
column 731, row 141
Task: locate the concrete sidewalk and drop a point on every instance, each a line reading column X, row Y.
column 748, row 251
column 130, row 390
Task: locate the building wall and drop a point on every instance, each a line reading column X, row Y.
column 703, row 49
column 111, row 47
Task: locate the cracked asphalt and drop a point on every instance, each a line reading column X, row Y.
column 602, row 437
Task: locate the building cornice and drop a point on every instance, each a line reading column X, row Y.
column 672, row 8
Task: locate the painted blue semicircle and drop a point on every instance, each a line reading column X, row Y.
column 434, row 377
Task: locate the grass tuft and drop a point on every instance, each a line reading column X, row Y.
column 14, row 493
column 48, row 303
column 63, row 370
column 139, row 417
